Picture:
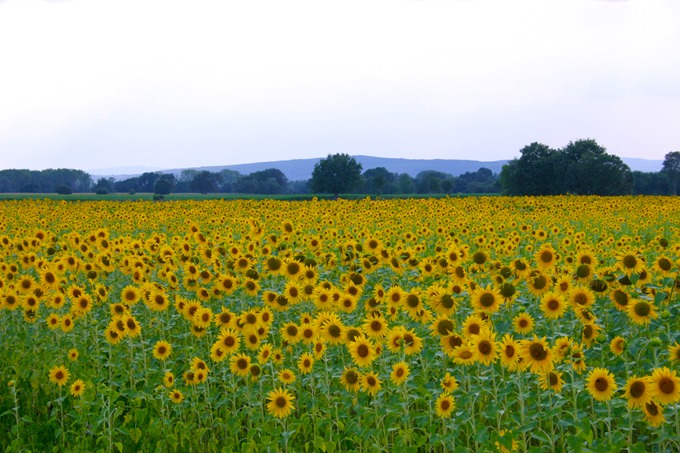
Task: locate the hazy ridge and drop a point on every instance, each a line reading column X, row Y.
column 301, row 169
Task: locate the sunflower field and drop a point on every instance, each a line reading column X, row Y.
column 457, row 324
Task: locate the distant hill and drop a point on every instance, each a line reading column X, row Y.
column 301, row 169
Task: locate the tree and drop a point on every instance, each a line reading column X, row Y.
column 205, row 182
column 581, row 167
column 379, row 180
column 147, row 181
column 104, row 186
column 164, row 184
column 270, row 181
column 335, row 174
column 671, row 168
column 589, row 170
column 432, row 181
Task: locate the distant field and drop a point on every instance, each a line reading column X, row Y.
column 210, row 196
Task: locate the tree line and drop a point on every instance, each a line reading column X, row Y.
column 584, row 168
column 375, row 181
column 581, row 167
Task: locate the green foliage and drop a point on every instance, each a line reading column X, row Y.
column 671, row 168
column 335, row 174
column 164, row 184
column 44, row 181
column 582, row 167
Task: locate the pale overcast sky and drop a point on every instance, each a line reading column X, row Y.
column 94, row 84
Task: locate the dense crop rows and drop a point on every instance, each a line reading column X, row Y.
column 490, row 324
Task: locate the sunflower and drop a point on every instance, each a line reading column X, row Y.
column 264, row 354
column 176, row 396
column 442, row 302
column 158, row 301
column 641, row 312
column 229, row 340
column 663, row 265
column 286, row 376
column 306, row 362
column 239, row 364
column 601, row 384
column 674, row 352
column 509, row 352
column 484, row 347
column 473, row 325
column 162, row 350
column 112, row 335
column 617, row 345
column 292, row 269
column 370, row 383
column 169, row 379
column 251, row 286
column 395, row 296
column 523, row 323
column 217, row 354
column 375, row 326
column 638, row 391
column 464, row 354
column 413, row 303
column 545, row 257
column 551, row 380
column 290, row 333
column 227, row 284
column 49, row 279
column 59, row 375
column 536, row 354
column 350, row 379
column 280, row 403
column 412, row 343
column 620, row 299
column 198, row 364
column 487, row 300
column 442, row 326
column 73, row 354
column 629, row 263
column 400, row 372
column 53, row 321
column 580, row 296
column 450, row 342
column 77, row 388
column 653, row 414
column 130, row 295
column 277, row 356
column 577, row 358
column 444, row 405
column 67, row 323
column 666, row 386
column 448, row 383
column 132, row 327
column 26, row 284
column 332, row 329
column 538, row 283
column 553, row 305
column 362, row 351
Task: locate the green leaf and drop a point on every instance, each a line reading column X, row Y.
column 119, row 446
column 541, row 436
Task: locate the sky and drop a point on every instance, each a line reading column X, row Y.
column 94, row 84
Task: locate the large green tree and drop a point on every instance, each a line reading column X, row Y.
column 586, row 168
column 532, row 173
column 581, row 167
column 671, row 168
column 337, row 173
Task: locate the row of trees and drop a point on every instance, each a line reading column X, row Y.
column 581, row 167
column 62, row 180
column 336, row 174
column 584, row 167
